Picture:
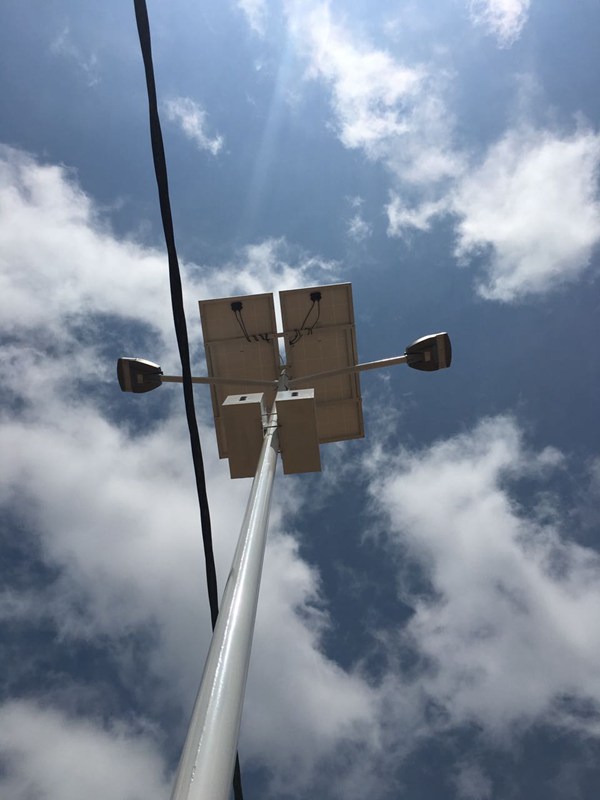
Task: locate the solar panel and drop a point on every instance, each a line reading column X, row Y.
column 240, row 344
column 319, row 335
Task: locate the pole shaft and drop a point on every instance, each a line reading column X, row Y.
column 206, row 767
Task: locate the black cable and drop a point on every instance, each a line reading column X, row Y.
column 299, row 332
column 241, row 323
column 318, row 315
column 160, row 169
column 236, row 307
column 308, row 313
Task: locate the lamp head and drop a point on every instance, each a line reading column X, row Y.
column 430, row 353
column 138, row 375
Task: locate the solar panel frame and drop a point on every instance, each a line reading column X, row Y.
column 229, row 354
column 328, row 342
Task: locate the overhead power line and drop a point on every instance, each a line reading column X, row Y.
column 160, row 169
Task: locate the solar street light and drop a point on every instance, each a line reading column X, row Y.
column 312, row 399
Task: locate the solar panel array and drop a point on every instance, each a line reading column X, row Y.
column 318, row 335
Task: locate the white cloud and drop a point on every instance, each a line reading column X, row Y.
column 393, row 112
column 508, row 624
column 64, row 46
column 504, row 19
column 59, row 261
column 191, row 118
column 529, row 212
column 50, row 755
column 402, row 218
column 256, row 12
column 532, row 205
column 359, row 229
column 367, row 83
column 277, row 264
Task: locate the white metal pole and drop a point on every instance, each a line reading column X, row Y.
column 384, row 362
column 206, row 767
column 215, row 381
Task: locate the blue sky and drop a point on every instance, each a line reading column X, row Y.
column 427, row 625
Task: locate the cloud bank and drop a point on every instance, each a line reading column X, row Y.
column 111, row 508
column 529, row 212
column 506, row 624
column 533, row 205
column 52, row 755
column 394, row 113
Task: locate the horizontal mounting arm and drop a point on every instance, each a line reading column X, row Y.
column 384, row 362
column 218, row 381
column 429, row 353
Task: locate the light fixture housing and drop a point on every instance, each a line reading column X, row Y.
column 138, row 375
column 430, row 353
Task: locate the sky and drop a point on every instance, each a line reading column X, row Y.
column 428, row 618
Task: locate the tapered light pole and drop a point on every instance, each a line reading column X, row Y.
column 207, row 762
